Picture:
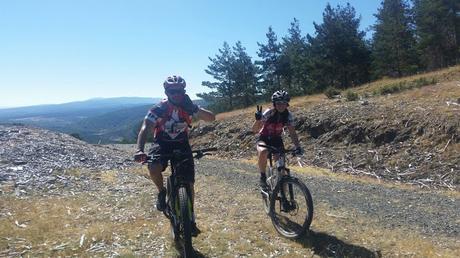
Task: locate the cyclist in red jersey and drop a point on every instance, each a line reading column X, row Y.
column 169, row 122
column 270, row 125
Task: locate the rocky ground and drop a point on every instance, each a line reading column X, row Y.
column 35, row 159
column 108, row 210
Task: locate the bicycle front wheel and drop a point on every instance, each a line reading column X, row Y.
column 291, row 207
column 186, row 222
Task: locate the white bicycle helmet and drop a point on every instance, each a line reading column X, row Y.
column 173, row 81
column 281, row 95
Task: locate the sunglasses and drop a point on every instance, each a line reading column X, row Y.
column 175, row 91
column 281, row 103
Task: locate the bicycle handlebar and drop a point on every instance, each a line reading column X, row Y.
column 277, row 150
column 179, row 154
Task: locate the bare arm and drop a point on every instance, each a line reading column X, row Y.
column 142, row 136
column 293, row 135
column 205, row 115
column 257, row 126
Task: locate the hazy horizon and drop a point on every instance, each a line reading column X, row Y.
column 76, row 101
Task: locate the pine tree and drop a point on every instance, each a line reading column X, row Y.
column 245, row 75
column 438, row 26
column 393, row 47
column 269, row 66
column 339, row 53
column 235, row 78
column 222, row 98
column 293, row 61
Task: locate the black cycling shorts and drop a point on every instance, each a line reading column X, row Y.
column 185, row 169
column 275, row 141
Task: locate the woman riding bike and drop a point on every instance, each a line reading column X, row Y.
column 169, row 122
column 270, row 125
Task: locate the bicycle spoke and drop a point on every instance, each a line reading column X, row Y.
column 291, row 208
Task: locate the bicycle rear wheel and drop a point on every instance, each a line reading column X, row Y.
column 186, row 221
column 291, row 207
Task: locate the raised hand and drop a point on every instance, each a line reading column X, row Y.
column 188, row 105
column 258, row 114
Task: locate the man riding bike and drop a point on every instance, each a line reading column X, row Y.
column 169, row 122
column 270, row 125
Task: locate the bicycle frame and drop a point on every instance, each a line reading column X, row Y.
column 179, row 205
column 281, row 169
column 174, row 183
column 280, row 165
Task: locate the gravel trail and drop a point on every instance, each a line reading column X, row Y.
column 430, row 213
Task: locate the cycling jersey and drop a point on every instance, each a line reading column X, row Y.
column 274, row 122
column 171, row 122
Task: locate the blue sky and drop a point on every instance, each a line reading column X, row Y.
column 56, row 51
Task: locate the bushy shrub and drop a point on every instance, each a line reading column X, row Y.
column 351, row 95
column 420, row 82
column 391, row 88
column 330, row 92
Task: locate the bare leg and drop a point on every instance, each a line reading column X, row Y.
column 156, row 176
column 262, row 154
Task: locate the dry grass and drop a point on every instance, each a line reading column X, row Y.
column 79, row 225
column 446, row 75
column 327, row 173
column 353, row 228
column 443, row 75
column 245, row 229
column 232, row 221
column 304, row 101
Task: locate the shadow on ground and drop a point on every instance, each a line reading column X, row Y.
column 325, row 245
column 179, row 252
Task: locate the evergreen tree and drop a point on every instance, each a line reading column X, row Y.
column 438, row 26
column 339, row 54
column 235, row 78
column 222, row 98
column 245, row 76
column 269, row 65
column 393, row 46
column 293, row 62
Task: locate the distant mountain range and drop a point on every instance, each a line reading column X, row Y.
column 100, row 120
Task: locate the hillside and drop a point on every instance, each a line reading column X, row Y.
column 69, row 117
column 62, row 197
column 411, row 136
column 114, row 126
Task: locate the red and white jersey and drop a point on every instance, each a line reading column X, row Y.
column 171, row 122
column 274, row 122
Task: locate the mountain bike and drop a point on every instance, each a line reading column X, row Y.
column 287, row 199
column 179, row 203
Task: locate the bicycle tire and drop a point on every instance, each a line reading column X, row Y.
column 185, row 217
column 291, row 230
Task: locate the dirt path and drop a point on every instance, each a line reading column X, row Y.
column 363, row 213
column 116, row 218
column 430, row 213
